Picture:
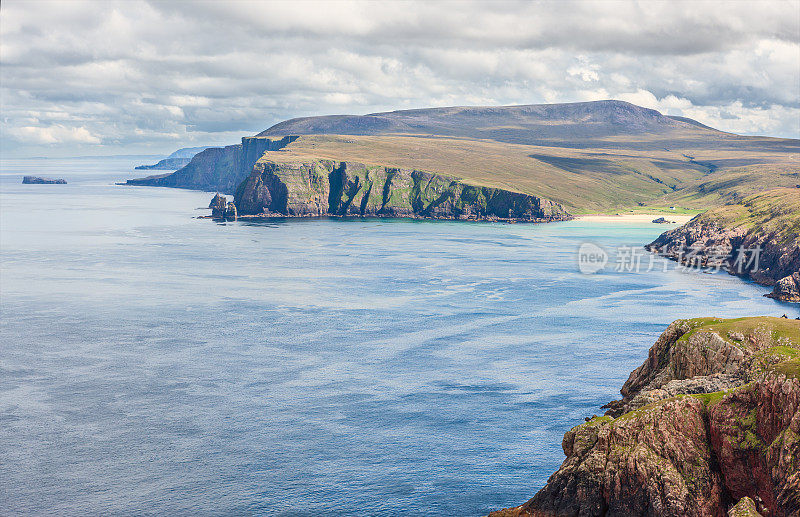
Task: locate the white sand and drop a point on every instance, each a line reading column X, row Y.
column 633, row 218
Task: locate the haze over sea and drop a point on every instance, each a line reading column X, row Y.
column 155, row 363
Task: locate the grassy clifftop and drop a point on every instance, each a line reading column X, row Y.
column 597, row 175
column 709, row 425
column 776, row 212
column 603, row 156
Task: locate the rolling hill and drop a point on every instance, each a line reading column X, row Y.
column 588, row 157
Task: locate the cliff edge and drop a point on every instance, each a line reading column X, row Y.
column 756, row 238
column 318, row 187
column 217, row 169
column 709, row 425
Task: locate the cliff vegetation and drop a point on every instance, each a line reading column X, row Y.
column 709, row 425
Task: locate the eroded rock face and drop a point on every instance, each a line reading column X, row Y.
column 754, row 433
column 787, row 288
column 674, row 447
column 220, row 169
column 746, row 507
column 325, row 187
column 708, row 244
column 685, row 362
column 655, row 462
column 221, row 208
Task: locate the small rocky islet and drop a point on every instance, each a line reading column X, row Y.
column 38, row 180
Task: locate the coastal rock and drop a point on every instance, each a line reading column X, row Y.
column 787, row 289
column 220, row 169
column 686, row 450
column 217, row 202
column 661, row 220
column 746, row 507
column 221, row 208
column 684, row 361
column 656, row 461
column 756, row 238
column 326, row 187
column 754, row 433
column 37, row 180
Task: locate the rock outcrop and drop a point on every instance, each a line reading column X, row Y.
column 787, row 288
column 746, row 507
column 671, row 448
column 757, row 238
column 219, row 169
column 327, row 187
column 223, row 209
column 37, row 180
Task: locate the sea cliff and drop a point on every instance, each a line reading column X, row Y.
column 757, row 238
column 219, row 169
column 328, row 187
column 709, row 424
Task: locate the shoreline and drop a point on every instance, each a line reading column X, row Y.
column 634, row 218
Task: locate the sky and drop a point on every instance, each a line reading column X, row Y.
column 148, row 77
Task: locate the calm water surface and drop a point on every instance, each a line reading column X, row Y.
column 154, row 363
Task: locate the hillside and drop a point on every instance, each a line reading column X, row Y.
column 727, row 235
column 589, row 157
column 708, row 424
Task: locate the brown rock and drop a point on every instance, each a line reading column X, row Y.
column 787, row 289
column 654, row 461
column 744, row 508
column 752, row 433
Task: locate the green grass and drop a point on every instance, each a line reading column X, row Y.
column 783, row 332
column 776, row 211
column 788, row 368
column 709, row 399
column 641, row 173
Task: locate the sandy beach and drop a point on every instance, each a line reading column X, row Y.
column 633, row 218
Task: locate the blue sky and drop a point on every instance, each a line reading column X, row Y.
column 80, row 78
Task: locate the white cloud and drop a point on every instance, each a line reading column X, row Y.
column 54, row 135
column 137, row 74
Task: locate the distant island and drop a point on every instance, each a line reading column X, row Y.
column 174, row 161
column 38, row 180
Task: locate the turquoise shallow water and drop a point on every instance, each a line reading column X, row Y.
column 155, row 363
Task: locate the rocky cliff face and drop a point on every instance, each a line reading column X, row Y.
column 756, row 238
column 787, row 288
column 219, row 169
column 326, row 187
column 674, row 447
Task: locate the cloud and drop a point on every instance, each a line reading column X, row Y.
column 143, row 76
column 54, row 135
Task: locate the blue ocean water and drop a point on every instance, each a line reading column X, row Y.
column 155, row 363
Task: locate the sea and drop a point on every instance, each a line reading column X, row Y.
column 156, row 363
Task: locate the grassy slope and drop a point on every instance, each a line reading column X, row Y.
column 774, row 211
column 781, row 355
column 686, row 168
